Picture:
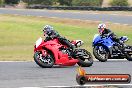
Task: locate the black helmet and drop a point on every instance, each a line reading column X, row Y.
column 47, row 29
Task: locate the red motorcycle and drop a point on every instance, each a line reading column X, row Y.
column 49, row 53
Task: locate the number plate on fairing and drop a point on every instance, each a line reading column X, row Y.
column 130, row 53
column 38, row 42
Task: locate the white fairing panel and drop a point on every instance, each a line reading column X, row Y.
column 96, row 35
column 38, row 42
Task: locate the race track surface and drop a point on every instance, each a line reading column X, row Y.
column 28, row 74
column 72, row 15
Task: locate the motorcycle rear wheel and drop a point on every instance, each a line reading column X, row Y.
column 129, row 57
column 129, row 54
column 85, row 62
column 41, row 61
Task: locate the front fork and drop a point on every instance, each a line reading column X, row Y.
column 44, row 52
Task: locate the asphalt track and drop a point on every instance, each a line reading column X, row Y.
column 72, row 15
column 28, row 74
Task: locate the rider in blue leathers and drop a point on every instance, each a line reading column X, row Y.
column 107, row 32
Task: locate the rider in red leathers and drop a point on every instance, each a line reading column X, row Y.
column 50, row 34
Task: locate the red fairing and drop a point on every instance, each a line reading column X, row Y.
column 53, row 46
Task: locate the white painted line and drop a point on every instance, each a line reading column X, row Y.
column 126, row 24
column 28, row 15
column 94, row 60
column 53, row 17
column 120, row 84
column 120, row 15
column 117, row 23
column 77, row 12
column 16, row 14
column 94, row 13
column 15, row 61
column 58, row 86
column 114, row 14
column 29, row 87
column 113, row 60
column 108, row 85
column 87, row 85
column 122, row 24
column 40, row 16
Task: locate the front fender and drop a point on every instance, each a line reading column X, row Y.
column 54, row 51
column 109, row 49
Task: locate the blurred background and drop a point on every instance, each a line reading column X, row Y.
column 71, row 3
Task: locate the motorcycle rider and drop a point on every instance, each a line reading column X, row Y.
column 50, row 34
column 107, row 32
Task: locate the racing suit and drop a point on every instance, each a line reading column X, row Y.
column 114, row 37
column 54, row 34
column 107, row 32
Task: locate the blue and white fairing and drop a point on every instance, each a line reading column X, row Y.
column 107, row 41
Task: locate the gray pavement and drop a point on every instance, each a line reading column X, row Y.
column 29, row 74
column 72, row 15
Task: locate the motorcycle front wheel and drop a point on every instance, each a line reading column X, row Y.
column 101, row 53
column 44, row 61
column 86, row 60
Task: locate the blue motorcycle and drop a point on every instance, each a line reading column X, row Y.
column 105, row 48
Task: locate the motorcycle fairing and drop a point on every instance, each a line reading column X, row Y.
column 107, row 41
column 53, row 46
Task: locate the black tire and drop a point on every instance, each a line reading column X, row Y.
column 41, row 63
column 81, row 80
column 82, row 61
column 129, row 57
column 97, row 55
column 129, row 54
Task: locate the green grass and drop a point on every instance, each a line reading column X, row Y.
column 19, row 33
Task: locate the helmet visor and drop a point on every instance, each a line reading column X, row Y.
column 101, row 30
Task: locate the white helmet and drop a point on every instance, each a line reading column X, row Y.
column 101, row 26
